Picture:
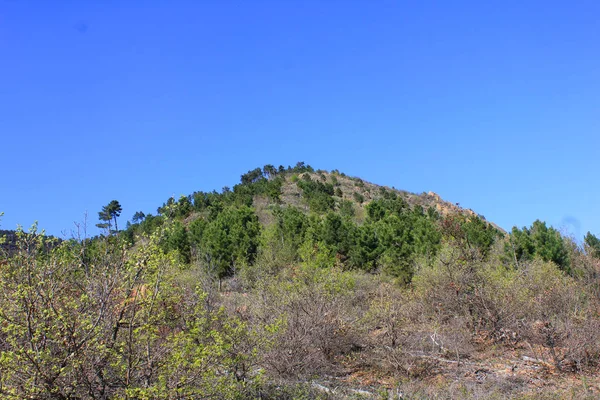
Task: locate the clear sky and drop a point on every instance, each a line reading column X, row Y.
column 495, row 105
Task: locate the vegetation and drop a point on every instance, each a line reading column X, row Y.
column 109, row 214
column 298, row 283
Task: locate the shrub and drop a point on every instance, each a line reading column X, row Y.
column 358, row 197
column 123, row 327
column 315, row 321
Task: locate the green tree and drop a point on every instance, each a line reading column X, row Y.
column 176, row 238
column 109, row 214
column 427, row 237
column 291, row 226
column 317, row 194
column 106, row 221
column 252, row 176
column 231, row 238
column 359, row 198
column 196, row 230
column 593, row 244
column 397, row 246
column 541, row 241
column 138, row 217
column 269, row 171
column 337, row 234
column 366, row 248
column 346, row 208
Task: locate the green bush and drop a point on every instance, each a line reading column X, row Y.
column 358, row 197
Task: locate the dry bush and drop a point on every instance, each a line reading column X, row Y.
column 453, row 308
column 537, row 303
column 559, row 316
column 314, row 319
column 583, row 343
column 462, row 297
column 586, row 269
column 407, row 341
column 491, row 387
column 386, row 316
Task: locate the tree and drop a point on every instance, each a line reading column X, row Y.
column 184, row 206
column 230, row 238
column 291, row 224
column 593, row 243
column 109, row 213
column 269, row 171
column 366, row 249
column 472, row 235
column 138, row 217
column 336, row 232
column 252, row 176
column 397, row 242
column 346, row 209
column 104, row 225
column 539, row 241
column 176, row 238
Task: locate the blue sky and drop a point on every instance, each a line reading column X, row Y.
column 495, row 105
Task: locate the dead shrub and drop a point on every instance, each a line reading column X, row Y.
column 315, row 324
column 559, row 317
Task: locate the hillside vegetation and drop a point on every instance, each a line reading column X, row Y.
column 300, row 283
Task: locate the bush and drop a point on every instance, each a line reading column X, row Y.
column 123, row 327
column 358, row 197
column 346, row 209
column 314, row 319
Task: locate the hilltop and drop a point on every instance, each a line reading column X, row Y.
column 346, row 188
column 361, row 193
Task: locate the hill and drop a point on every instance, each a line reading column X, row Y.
column 301, row 283
column 352, row 223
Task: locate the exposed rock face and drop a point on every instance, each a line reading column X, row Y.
column 434, row 195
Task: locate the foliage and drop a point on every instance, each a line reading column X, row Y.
column 109, row 214
column 472, row 234
column 138, row 217
column 538, row 241
column 122, row 327
column 175, row 238
column 358, row 197
column 317, row 194
column 230, row 239
column 593, row 244
column 346, row 209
